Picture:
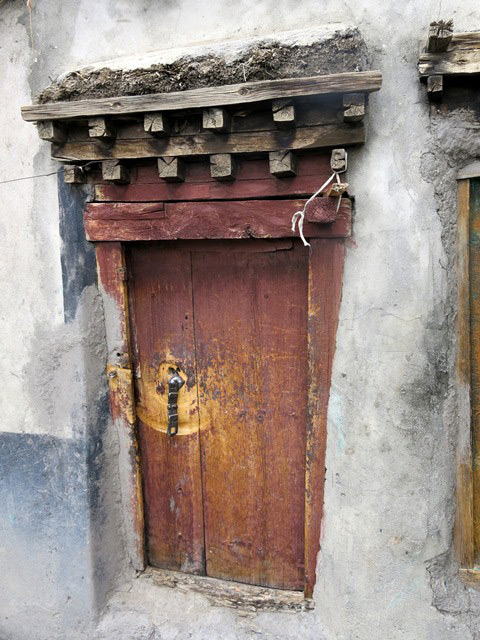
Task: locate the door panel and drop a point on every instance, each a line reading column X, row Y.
column 163, row 337
column 251, row 337
column 233, row 320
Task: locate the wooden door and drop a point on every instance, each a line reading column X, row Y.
column 233, row 494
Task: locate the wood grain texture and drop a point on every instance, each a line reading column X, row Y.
column 123, row 211
column 232, row 594
column 162, row 315
column 474, row 272
column 324, row 293
column 464, row 532
column 362, row 81
column 252, row 180
column 314, row 137
column 462, row 57
column 112, row 284
column 251, row 351
column 209, row 220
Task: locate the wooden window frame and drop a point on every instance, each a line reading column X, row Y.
column 467, row 520
column 324, row 292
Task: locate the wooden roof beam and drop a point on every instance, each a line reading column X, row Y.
column 247, row 92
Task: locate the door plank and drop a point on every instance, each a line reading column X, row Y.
column 161, row 300
column 250, row 326
column 324, row 292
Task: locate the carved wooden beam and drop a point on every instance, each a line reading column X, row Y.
column 308, row 137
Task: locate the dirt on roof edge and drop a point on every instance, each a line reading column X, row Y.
column 342, row 52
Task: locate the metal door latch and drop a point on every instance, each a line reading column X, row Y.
column 175, row 383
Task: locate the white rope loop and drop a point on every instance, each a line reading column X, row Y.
column 299, row 216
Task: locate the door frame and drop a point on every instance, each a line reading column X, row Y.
column 111, row 224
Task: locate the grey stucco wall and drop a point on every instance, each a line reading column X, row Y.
column 386, row 568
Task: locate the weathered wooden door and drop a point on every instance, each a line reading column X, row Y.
column 226, row 496
column 223, row 296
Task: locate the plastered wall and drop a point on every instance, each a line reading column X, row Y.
column 385, row 569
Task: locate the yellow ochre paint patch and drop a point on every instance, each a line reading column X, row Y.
column 153, row 399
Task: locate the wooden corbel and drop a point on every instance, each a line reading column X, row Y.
column 353, row 107
column 215, row 119
column 101, row 129
column 338, row 160
column 156, row 124
column 283, row 113
column 171, row 169
column 222, row 166
column 282, row 164
column 435, row 88
column 51, row 131
column 73, row 174
column 115, row 171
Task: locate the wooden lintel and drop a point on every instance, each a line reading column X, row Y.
column 353, row 107
column 73, row 174
column 51, row 132
column 247, row 92
column 461, row 58
column 222, row 166
column 282, row 163
column 115, row 171
column 283, row 112
column 171, row 169
column 101, row 129
column 206, row 220
column 435, row 88
column 215, row 119
column 315, row 137
column 156, row 124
